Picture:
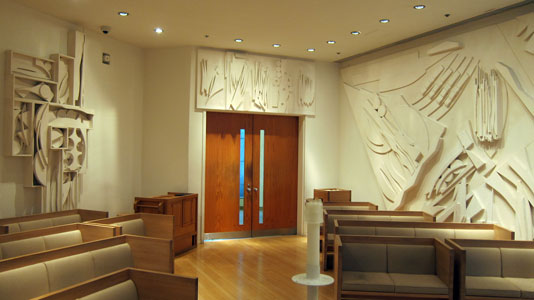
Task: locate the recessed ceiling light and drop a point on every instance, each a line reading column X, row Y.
column 311, row 49
column 238, row 40
column 355, row 33
column 276, row 45
column 420, row 6
column 384, row 21
column 331, row 42
column 158, row 30
column 123, row 13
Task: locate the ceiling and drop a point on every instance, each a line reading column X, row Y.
column 294, row 24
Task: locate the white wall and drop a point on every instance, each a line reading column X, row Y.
column 166, row 121
column 386, row 85
column 115, row 92
column 320, row 140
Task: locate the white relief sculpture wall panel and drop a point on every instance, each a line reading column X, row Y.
column 449, row 125
column 48, row 125
column 236, row 81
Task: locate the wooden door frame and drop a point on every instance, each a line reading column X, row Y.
column 300, row 188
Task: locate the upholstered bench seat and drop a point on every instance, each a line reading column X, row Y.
column 526, row 285
column 123, row 291
column 494, row 269
column 59, row 273
column 491, row 286
column 134, row 227
column 392, row 267
column 36, row 244
column 418, row 284
column 368, row 281
column 34, row 275
column 130, row 284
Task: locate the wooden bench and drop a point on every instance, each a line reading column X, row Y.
column 27, row 242
column 38, row 274
column 349, row 206
column 327, row 228
column 371, row 267
column 151, row 225
column 488, row 269
column 18, row 224
column 132, row 284
column 440, row 231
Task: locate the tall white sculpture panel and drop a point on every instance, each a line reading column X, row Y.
column 48, row 125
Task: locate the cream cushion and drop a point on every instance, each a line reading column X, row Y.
column 438, row 233
column 364, row 257
column 357, row 230
column 135, row 227
column 411, row 259
column 22, row 247
column 123, row 291
column 112, row 259
column 367, row 281
column 395, row 231
column 69, row 270
column 418, row 284
column 76, row 218
column 483, row 261
column 477, row 234
column 30, row 225
column 12, row 228
column 517, row 262
column 331, row 218
column 490, row 286
column 526, row 285
column 62, row 239
column 24, row 283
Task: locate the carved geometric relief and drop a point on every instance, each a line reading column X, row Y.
column 236, row 81
column 48, row 124
column 480, row 89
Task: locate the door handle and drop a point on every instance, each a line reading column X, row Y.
column 255, row 189
column 248, row 190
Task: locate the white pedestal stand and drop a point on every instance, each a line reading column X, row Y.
column 313, row 216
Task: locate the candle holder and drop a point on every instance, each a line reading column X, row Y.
column 313, row 279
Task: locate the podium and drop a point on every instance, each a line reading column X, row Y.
column 183, row 206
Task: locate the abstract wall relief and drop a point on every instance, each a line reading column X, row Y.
column 454, row 137
column 399, row 141
column 236, row 81
column 48, row 124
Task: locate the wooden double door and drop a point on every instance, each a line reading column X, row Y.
column 251, row 175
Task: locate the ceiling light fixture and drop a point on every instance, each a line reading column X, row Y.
column 420, row 6
column 384, row 21
column 158, row 30
column 330, row 42
column 238, row 40
column 311, row 49
column 276, row 45
column 355, row 33
column 123, row 13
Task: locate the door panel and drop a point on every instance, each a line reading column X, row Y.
column 280, row 172
column 270, row 156
column 223, row 141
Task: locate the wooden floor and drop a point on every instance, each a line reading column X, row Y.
column 258, row 268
